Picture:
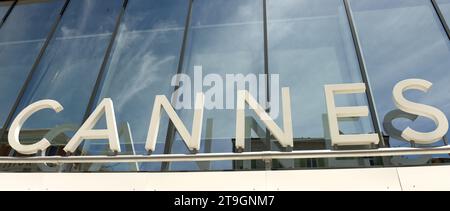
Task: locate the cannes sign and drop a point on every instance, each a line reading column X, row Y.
column 284, row 135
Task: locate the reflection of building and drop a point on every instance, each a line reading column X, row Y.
column 81, row 51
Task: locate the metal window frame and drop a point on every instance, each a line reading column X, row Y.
column 361, row 63
column 171, row 130
column 102, row 71
column 101, row 74
column 267, row 155
column 33, row 70
column 266, row 68
column 361, row 60
column 441, row 17
column 165, row 158
column 266, row 47
column 5, row 17
column 364, row 74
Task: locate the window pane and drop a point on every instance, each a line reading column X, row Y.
column 4, row 7
column 227, row 41
column 310, row 45
column 21, row 38
column 141, row 66
column 69, row 68
column 444, row 6
column 404, row 39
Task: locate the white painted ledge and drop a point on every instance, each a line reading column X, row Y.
column 405, row 178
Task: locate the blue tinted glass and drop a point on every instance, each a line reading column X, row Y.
column 21, row 38
column 229, row 41
column 404, row 39
column 4, row 7
column 444, row 6
column 69, row 68
column 143, row 61
column 310, row 45
column 226, row 38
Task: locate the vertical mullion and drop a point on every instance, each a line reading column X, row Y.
column 102, row 71
column 7, row 13
column 266, row 69
column 185, row 35
column 441, row 17
column 33, row 69
column 100, row 75
column 171, row 128
column 266, row 46
column 363, row 69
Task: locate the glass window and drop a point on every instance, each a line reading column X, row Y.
column 401, row 40
column 444, row 6
column 69, row 68
column 142, row 63
column 4, row 7
column 21, row 39
column 228, row 41
column 310, row 45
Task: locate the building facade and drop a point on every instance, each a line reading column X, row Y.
column 79, row 52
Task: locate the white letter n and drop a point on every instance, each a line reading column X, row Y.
column 285, row 138
column 192, row 141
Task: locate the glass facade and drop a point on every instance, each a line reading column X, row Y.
column 141, row 65
column 410, row 42
column 79, row 52
column 75, row 52
column 322, row 52
column 229, row 41
column 4, row 7
column 22, row 37
column 444, row 6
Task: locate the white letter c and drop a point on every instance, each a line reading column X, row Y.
column 16, row 126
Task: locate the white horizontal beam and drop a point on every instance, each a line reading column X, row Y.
column 423, row 178
column 266, row 155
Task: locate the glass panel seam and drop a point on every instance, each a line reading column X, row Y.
column 7, row 13
column 362, row 67
column 441, row 17
column 33, row 68
column 102, row 71
column 171, row 129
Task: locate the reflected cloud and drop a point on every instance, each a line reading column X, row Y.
column 410, row 42
column 321, row 52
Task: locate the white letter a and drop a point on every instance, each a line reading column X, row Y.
column 86, row 130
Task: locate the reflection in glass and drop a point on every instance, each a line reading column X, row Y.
column 144, row 59
column 21, row 38
column 404, row 39
column 227, row 41
column 310, row 45
column 4, row 7
column 69, row 68
column 444, row 6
